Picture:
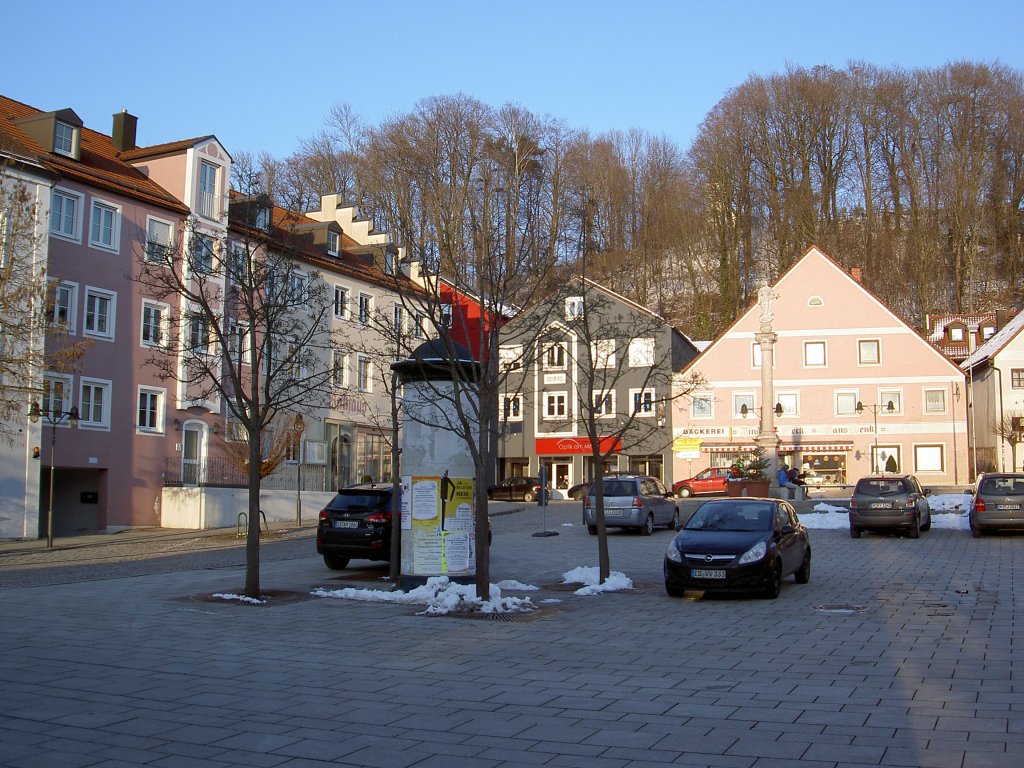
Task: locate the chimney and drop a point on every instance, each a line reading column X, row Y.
column 123, row 134
column 1000, row 319
column 857, row 275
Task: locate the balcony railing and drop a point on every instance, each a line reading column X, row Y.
column 223, row 473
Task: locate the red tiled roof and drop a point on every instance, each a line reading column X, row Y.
column 98, row 165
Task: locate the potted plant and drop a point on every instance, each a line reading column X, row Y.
column 753, row 480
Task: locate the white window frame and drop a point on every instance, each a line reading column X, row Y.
column 603, row 403
column 333, row 243
column 556, row 356
column 957, row 333
column 158, row 250
column 66, row 195
column 196, row 320
column 556, row 406
column 341, row 299
column 739, row 399
column 365, row 308
column 510, row 357
column 238, row 342
column 644, row 402
column 706, row 411
column 66, row 383
column 63, row 131
column 512, row 408
column 574, row 308
column 815, row 354
column 364, row 374
column 159, row 395
column 445, row 315
column 85, row 416
column 206, row 197
column 790, row 402
column 339, row 369
column 421, row 326
column 70, row 310
column 755, row 355
column 398, row 312
column 896, row 396
column 202, row 267
column 924, row 401
column 641, row 353
column 163, row 323
column 602, row 353
column 111, row 298
column 929, row 457
column 105, row 207
column 861, row 361
column 842, row 394
column 298, row 287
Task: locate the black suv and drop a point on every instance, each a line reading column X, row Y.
column 356, row 523
column 889, row 502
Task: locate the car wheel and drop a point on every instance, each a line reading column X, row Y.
column 528, row 496
column 674, row 521
column 336, row 562
column 975, row 531
column 854, row 532
column 648, row 528
column 592, row 530
column 674, row 591
column 915, row 528
column 774, row 581
column 685, row 492
column 803, row 575
column 928, row 525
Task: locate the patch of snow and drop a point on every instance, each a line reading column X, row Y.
column 942, row 505
column 511, row 584
column 567, row 525
column 591, row 579
column 440, row 595
column 551, row 600
column 238, row 598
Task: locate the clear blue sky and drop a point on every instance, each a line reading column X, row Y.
column 262, row 75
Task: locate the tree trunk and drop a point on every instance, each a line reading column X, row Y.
column 252, row 540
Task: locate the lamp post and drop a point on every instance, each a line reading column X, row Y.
column 299, row 426
column 889, row 408
column 53, row 418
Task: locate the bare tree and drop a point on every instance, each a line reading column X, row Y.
column 1010, row 428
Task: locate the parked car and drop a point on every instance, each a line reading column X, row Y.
column 632, row 501
column 515, row 489
column 356, row 523
column 998, row 503
column 738, row 545
column 889, row 502
column 712, row 480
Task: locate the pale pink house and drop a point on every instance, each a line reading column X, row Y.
column 837, row 346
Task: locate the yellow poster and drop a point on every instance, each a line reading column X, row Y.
column 443, row 525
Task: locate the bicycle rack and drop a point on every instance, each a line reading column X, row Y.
column 242, row 523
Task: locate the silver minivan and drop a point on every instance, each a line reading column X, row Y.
column 998, row 503
column 632, row 501
column 893, row 502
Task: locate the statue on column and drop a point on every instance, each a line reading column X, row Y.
column 765, row 298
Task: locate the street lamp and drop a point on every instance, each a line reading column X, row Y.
column 299, row 426
column 53, row 418
column 889, row 408
column 745, row 410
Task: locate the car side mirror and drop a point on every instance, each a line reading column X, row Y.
column 927, row 491
column 679, row 526
column 787, row 528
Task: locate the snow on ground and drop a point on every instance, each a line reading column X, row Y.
column 441, row 596
column 828, row 515
column 591, row 578
column 238, row 598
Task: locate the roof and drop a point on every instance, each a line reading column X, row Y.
column 99, row 164
column 995, row 344
column 160, row 150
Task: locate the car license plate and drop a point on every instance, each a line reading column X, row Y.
column 703, row 573
column 1007, row 506
column 881, row 505
column 346, row 523
column 613, row 513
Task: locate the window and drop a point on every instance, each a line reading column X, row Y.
column 604, row 403
column 158, row 240
column 64, row 214
column 364, row 380
column 755, row 355
column 340, row 302
column 389, row 263
column 512, row 408
column 65, row 297
column 641, row 352
column 815, row 354
column 207, row 189
column 154, row 323
column 151, row 410
column 238, row 343
column 574, row 308
column 555, row 405
column 420, row 327
column 198, row 335
column 701, row 407
column 928, row 458
column 956, row 333
column 202, row 254
column 886, row 396
column 445, row 318
column 56, row 394
column 94, row 403
column 399, row 321
column 846, row 403
column 365, row 308
column 64, row 139
column 238, row 263
column 988, row 332
column 869, row 352
column 263, row 218
column 1017, row 378
column 934, row 401
column 741, row 399
column 510, row 358
column 602, row 353
column 298, row 284
column 105, row 227
column 643, row 401
column 790, row 402
column 554, row 357
column 339, row 369
column 333, row 243
column 99, row 313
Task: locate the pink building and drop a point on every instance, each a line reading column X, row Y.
column 855, row 387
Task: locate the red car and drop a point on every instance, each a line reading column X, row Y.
column 709, row 481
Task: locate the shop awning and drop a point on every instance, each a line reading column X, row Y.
column 727, row 447
column 817, row 447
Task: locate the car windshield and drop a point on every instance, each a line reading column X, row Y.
column 732, row 516
column 880, row 487
column 361, row 501
column 1002, row 486
column 619, row 488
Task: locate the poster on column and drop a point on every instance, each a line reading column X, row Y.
column 440, row 519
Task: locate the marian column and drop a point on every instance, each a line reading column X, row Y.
column 766, row 338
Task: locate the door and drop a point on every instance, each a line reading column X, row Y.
column 192, row 454
column 341, row 462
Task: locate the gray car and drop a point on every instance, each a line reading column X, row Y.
column 889, row 502
column 998, row 503
column 632, row 501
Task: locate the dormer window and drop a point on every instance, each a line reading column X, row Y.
column 333, row 243
column 988, row 332
column 64, row 139
column 574, row 308
column 263, row 219
column 956, row 333
column 207, row 189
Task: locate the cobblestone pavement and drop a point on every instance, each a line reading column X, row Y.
column 898, row 653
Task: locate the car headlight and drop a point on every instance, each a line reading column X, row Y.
column 673, row 553
column 754, row 554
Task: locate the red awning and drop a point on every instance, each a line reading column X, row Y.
column 816, row 447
